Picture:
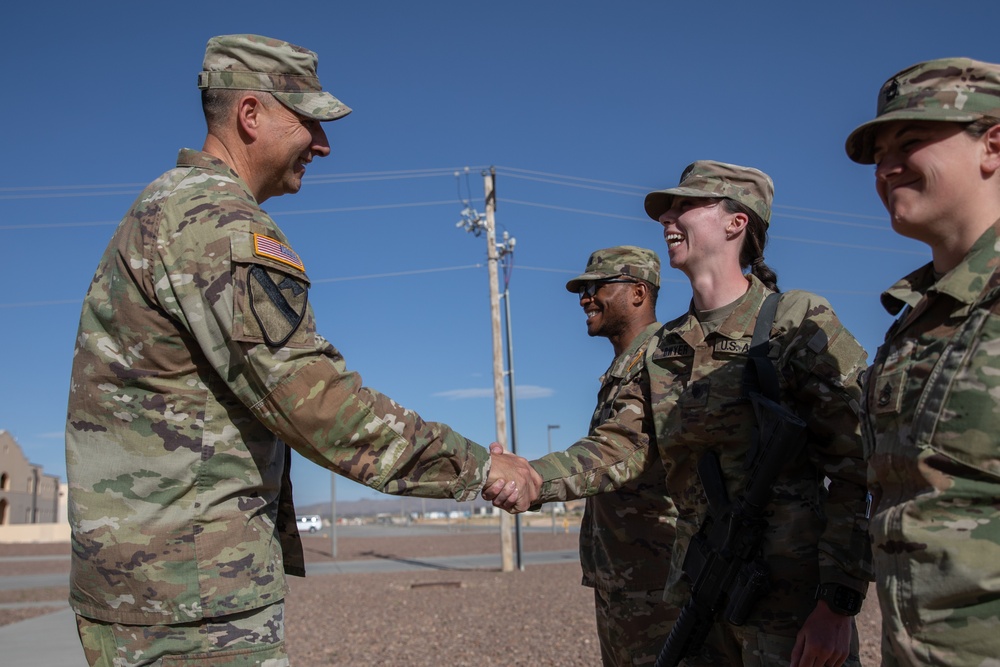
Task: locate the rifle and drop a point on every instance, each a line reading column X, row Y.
column 723, row 560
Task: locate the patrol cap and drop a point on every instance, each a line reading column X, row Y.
column 253, row 62
column 623, row 260
column 958, row 90
column 708, row 178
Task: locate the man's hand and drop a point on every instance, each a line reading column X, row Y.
column 824, row 640
column 512, row 484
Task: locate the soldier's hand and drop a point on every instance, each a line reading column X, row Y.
column 824, row 639
column 512, row 485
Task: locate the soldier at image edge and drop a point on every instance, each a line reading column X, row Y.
column 931, row 409
column 197, row 359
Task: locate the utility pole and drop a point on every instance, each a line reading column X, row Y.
column 475, row 223
column 505, row 248
column 552, row 507
column 333, row 514
column 499, row 409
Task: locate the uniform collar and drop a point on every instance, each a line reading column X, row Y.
column 737, row 326
column 966, row 283
column 740, row 322
column 623, row 363
column 190, row 158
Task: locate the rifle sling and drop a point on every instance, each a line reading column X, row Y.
column 760, row 374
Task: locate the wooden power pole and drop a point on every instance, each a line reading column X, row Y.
column 499, row 402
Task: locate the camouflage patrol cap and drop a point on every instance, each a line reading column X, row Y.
column 623, row 260
column 252, row 62
column 948, row 89
column 708, row 178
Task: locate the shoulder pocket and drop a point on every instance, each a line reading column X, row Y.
column 271, row 293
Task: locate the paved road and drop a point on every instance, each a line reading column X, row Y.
column 52, row 640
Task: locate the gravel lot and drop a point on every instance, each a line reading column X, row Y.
column 422, row 618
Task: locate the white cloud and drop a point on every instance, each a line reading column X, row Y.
column 457, row 394
column 529, row 391
column 524, row 392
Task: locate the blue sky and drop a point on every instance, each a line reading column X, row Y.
column 582, row 106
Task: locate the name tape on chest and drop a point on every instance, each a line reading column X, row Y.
column 676, row 350
column 727, row 346
column 265, row 246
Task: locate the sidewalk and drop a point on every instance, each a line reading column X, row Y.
column 51, row 639
column 44, row 640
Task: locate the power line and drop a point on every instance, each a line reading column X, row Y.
column 570, row 178
column 373, row 207
column 63, row 195
column 618, row 216
column 56, row 191
column 444, row 202
column 513, row 172
column 394, row 274
column 279, row 214
column 567, row 209
column 921, row 253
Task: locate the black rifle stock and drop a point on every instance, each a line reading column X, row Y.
column 723, row 561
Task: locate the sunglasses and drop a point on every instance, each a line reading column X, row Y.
column 590, row 289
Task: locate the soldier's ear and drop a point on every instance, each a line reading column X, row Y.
column 249, row 113
column 737, row 223
column 991, row 150
column 640, row 292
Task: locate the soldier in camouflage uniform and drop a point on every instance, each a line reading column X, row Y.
column 931, row 410
column 197, row 350
column 816, row 543
column 626, row 535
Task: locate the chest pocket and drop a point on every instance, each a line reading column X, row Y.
column 271, row 293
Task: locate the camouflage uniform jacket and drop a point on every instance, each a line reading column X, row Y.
column 696, row 387
column 932, row 434
column 177, row 403
column 694, row 390
column 626, row 536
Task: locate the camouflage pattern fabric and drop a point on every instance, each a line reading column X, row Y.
column 956, row 90
column 254, row 62
column 626, row 538
column 932, row 427
column 253, row 638
column 817, row 533
column 623, row 260
column 632, row 625
column 177, row 401
column 747, row 647
column 708, row 178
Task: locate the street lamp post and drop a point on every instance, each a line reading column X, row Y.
column 553, row 508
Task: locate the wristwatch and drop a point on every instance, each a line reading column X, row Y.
column 841, row 599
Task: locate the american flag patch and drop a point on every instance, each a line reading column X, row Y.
column 265, row 246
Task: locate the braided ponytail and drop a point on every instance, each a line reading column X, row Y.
column 754, row 241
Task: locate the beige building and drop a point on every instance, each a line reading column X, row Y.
column 27, row 495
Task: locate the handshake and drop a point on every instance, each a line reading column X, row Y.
column 512, row 484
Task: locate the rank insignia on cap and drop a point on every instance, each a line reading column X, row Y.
column 265, row 246
column 890, row 91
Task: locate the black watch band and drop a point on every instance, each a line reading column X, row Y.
column 841, row 599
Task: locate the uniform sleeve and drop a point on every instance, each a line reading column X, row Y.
column 248, row 316
column 824, row 365
column 335, row 422
column 615, row 452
